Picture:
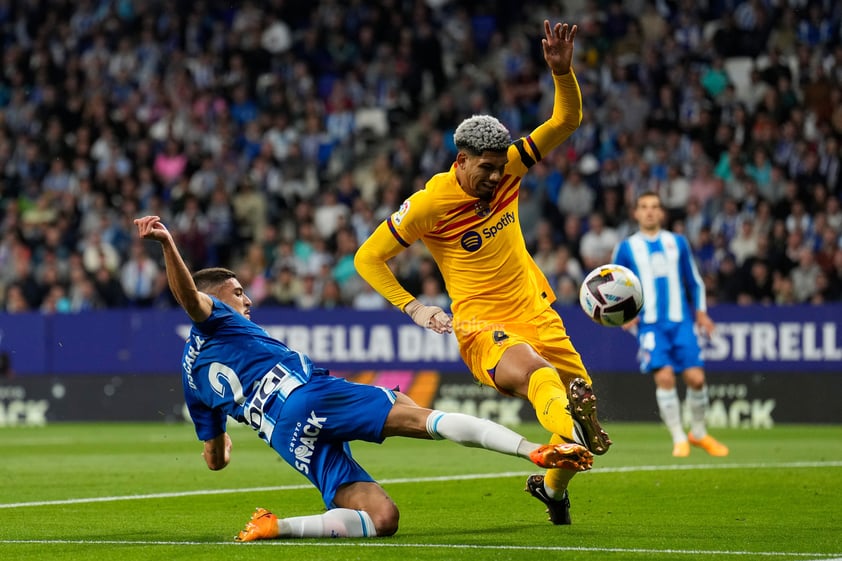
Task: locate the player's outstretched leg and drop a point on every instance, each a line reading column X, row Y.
column 335, row 523
column 262, row 526
column 570, row 456
column 583, row 410
column 557, row 509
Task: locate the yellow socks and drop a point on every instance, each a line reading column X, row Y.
column 556, row 480
column 549, row 398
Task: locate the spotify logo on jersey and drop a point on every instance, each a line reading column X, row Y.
column 471, row 241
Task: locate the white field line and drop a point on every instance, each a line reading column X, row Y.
column 383, row 544
column 464, row 477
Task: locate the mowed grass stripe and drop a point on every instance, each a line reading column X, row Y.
column 443, row 478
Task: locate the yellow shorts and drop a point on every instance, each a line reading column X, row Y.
column 482, row 346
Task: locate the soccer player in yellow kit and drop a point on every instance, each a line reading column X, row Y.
column 509, row 335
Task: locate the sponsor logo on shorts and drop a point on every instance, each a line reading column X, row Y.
column 500, row 336
column 303, row 441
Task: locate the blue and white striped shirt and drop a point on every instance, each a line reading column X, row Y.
column 673, row 289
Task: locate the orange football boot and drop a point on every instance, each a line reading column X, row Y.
column 709, row 444
column 565, row 456
column 262, row 526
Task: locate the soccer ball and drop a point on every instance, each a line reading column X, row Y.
column 611, row 295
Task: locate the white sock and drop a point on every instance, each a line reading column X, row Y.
column 335, row 523
column 670, row 408
column 697, row 403
column 478, row 433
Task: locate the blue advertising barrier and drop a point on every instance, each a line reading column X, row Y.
column 748, row 339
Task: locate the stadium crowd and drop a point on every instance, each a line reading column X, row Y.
column 272, row 137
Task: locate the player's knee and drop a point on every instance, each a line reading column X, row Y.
column 385, row 517
column 665, row 378
column 694, row 378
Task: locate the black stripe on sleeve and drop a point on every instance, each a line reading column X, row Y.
column 524, row 155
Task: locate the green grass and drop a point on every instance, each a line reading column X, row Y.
column 777, row 496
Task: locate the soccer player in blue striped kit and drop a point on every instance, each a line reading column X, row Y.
column 232, row 367
column 673, row 304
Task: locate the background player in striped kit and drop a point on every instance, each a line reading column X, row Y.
column 673, row 304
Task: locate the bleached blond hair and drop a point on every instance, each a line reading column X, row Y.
column 482, row 133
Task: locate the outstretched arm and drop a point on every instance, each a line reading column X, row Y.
column 567, row 103
column 558, row 46
column 198, row 305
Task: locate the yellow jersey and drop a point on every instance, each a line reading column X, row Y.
column 479, row 247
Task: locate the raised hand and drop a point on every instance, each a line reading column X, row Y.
column 151, row 228
column 558, row 46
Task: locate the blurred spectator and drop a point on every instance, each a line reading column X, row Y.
column 138, row 276
column 544, row 254
column 572, row 236
column 704, row 185
column 170, row 164
column 834, row 214
column 566, row 266
column 55, row 300
column 191, row 230
column 804, row 276
column 675, row 194
column 97, row 254
column 24, row 281
column 284, row 289
column 597, row 243
column 109, row 289
column 221, row 228
column 432, row 293
column 784, row 291
column 762, row 218
column 825, row 291
column 798, row 219
column 343, row 270
column 576, row 197
column 250, row 211
column 310, row 296
column 15, row 300
column 726, row 222
column 368, row 299
column 704, row 252
column 567, row 290
column 331, row 295
column 252, row 270
column 727, row 284
column 744, row 244
column 330, row 214
column 757, row 286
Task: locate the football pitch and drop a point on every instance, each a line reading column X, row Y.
column 141, row 491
